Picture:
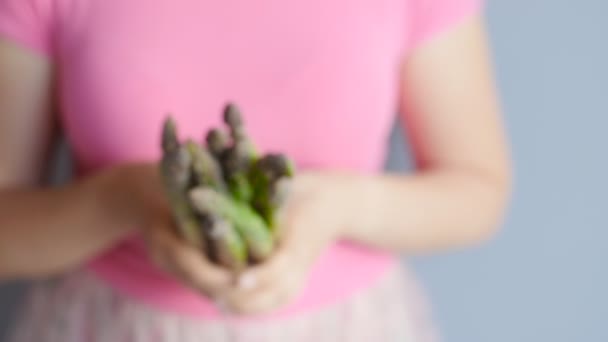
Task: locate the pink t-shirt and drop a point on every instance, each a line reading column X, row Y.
column 317, row 79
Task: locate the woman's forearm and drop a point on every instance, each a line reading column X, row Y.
column 44, row 231
column 425, row 212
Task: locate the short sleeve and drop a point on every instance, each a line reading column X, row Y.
column 28, row 23
column 429, row 18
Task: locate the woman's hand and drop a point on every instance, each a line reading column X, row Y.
column 308, row 223
column 137, row 195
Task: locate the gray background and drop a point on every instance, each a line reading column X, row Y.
column 542, row 277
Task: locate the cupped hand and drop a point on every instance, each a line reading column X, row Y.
column 137, row 196
column 308, row 223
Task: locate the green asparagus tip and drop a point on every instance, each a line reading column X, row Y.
column 217, row 141
column 206, row 199
column 278, row 164
column 169, row 135
column 232, row 115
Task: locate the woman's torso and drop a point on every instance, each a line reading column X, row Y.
column 315, row 79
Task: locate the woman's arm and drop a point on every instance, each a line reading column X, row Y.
column 462, row 186
column 41, row 230
column 456, row 197
column 52, row 230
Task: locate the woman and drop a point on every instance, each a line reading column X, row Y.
column 318, row 80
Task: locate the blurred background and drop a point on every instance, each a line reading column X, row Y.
column 543, row 277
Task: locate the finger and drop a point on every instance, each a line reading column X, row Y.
column 188, row 263
column 291, row 256
column 259, row 302
column 277, row 284
column 257, row 287
column 269, row 272
column 262, row 303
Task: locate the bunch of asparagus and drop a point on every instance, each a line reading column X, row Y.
column 223, row 195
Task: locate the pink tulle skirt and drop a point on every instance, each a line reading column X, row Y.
column 81, row 308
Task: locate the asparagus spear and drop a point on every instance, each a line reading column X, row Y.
column 217, row 142
column 236, row 177
column 237, row 159
column 270, row 177
column 275, row 166
column 227, row 246
column 205, row 169
column 234, row 120
column 175, row 172
column 247, row 222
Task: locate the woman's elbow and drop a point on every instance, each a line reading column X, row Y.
column 494, row 202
